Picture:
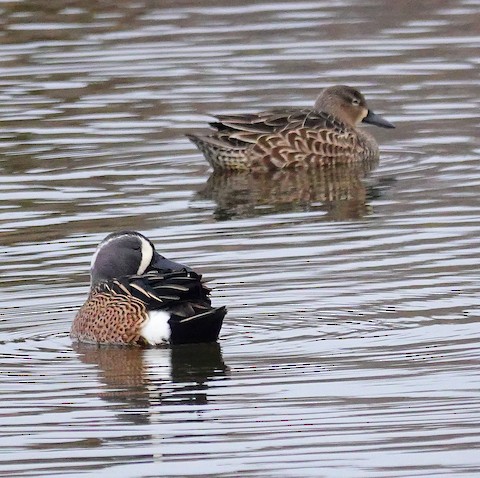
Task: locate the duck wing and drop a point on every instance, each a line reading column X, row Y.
column 160, row 290
column 239, row 129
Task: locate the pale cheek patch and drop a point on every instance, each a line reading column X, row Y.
column 147, row 255
column 156, row 329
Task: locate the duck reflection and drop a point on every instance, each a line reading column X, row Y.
column 143, row 378
column 338, row 189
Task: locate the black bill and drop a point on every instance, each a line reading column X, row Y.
column 377, row 120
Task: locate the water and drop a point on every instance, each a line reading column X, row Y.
column 351, row 343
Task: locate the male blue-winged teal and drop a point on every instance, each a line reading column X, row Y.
column 138, row 297
column 294, row 137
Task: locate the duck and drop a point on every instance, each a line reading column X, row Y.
column 139, row 297
column 288, row 138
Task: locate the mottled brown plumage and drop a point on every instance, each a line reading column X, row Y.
column 293, row 137
column 109, row 318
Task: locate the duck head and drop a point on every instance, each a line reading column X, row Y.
column 348, row 105
column 127, row 253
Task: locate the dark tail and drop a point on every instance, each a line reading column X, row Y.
column 198, row 141
column 203, row 327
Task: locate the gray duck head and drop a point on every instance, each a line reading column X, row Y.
column 127, row 253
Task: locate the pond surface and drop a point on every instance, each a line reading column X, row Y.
column 351, row 346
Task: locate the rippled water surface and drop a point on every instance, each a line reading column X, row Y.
column 351, row 346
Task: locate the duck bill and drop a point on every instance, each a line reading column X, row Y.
column 377, row 120
column 163, row 264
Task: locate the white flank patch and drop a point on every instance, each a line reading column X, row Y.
column 156, row 330
column 147, row 255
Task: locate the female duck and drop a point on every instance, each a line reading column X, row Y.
column 293, row 137
column 138, row 297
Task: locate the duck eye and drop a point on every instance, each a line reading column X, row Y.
column 355, row 102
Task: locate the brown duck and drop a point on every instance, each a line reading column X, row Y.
column 294, row 137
